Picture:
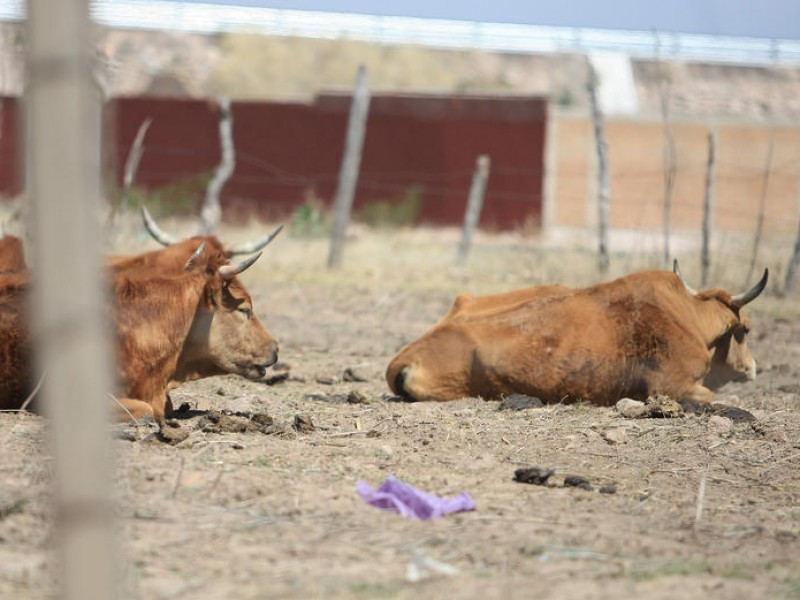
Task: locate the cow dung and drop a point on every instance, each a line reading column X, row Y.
column 533, row 475
column 303, row 424
column 219, row 422
column 578, row 482
column 171, row 432
column 737, row 415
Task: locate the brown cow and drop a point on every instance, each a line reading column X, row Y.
column 168, row 329
column 639, row 335
column 15, row 345
column 12, row 254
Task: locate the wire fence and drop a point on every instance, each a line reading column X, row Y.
column 502, row 37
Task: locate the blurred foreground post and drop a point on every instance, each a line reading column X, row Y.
column 602, row 171
column 474, row 205
column 708, row 215
column 62, row 119
column 348, row 174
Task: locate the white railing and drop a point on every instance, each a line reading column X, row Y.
column 502, row 37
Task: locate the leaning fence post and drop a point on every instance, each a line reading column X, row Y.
column 348, row 173
column 62, row 131
column 474, row 205
column 211, row 212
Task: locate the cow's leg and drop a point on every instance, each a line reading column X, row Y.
column 129, row 408
column 699, row 393
column 697, row 400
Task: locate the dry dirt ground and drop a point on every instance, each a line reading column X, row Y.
column 265, row 507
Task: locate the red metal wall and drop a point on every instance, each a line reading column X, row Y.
column 285, row 151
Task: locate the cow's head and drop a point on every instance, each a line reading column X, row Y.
column 731, row 359
column 226, row 335
column 438, row 366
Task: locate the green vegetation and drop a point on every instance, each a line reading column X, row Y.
column 182, row 197
column 671, row 569
column 401, row 212
column 310, row 220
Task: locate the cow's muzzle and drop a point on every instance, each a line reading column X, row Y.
column 400, row 384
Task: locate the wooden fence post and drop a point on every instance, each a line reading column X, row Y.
column 62, row 126
column 351, row 161
column 761, row 207
column 602, row 171
column 794, row 261
column 788, row 287
column 474, row 204
column 668, row 153
column 708, row 215
column 211, row 212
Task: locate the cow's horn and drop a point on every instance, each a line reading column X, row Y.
column 250, row 247
column 190, row 263
column 677, row 270
column 739, row 300
column 228, row 272
column 153, row 229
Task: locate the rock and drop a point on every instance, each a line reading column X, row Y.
column 519, row 402
column 356, row 397
column 615, row 435
column 719, row 425
column 630, row 408
column 351, row 374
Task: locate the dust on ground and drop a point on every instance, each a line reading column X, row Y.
column 249, row 492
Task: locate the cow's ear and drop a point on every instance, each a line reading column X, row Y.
column 194, row 258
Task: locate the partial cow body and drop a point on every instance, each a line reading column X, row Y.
column 12, row 254
column 639, row 335
column 169, row 328
column 15, row 343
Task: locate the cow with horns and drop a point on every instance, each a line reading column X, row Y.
column 643, row 334
column 176, row 315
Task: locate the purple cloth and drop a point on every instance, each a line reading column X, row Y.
column 400, row 497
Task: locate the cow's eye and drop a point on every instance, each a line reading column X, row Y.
column 246, row 312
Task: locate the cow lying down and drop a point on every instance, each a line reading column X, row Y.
column 644, row 334
column 169, row 326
